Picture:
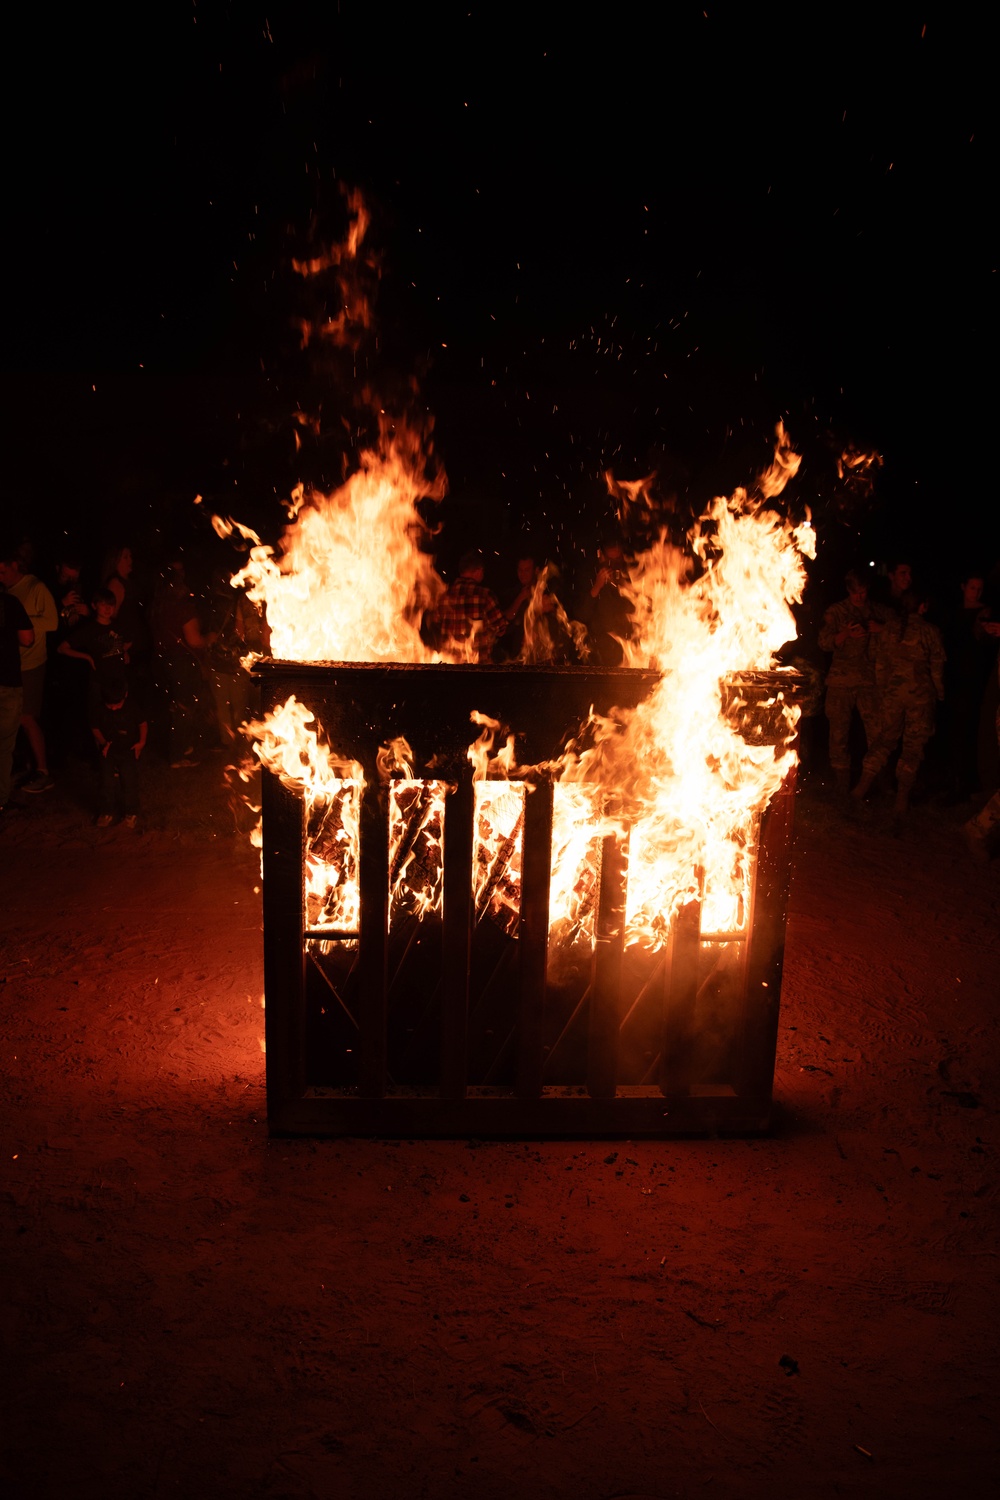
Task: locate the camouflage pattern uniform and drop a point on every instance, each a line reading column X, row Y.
column 910, row 663
column 851, row 681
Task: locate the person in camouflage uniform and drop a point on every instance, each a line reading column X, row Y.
column 979, row 831
column 851, row 630
column 910, row 673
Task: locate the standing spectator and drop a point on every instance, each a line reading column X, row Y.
column 16, row 633
column 603, row 607
column 527, row 577
column 850, row 631
column 73, row 607
column 468, row 619
column 98, row 643
column 911, row 667
column 893, row 583
column 116, row 575
column 538, row 629
column 66, row 683
column 120, row 733
column 979, row 831
column 971, row 654
column 40, row 608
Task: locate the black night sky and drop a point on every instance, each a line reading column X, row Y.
column 603, row 242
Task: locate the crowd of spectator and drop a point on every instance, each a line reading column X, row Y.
column 95, row 667
column 908, row 670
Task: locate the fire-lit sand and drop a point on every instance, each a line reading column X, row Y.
column 193, row 1309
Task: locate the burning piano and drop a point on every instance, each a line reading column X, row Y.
column 523, row 900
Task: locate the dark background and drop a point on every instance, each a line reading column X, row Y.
column 633, row 240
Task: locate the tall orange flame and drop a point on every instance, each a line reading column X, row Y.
column 351, row 582
column 686, row 785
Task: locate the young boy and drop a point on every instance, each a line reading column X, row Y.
column 99, row 644
column 121, row 737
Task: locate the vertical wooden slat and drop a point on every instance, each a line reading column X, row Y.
column 374, row 944
column 284, row 948
column 605, row 994
column 766, row 947
column 456, row 935
column 533, row 936
column 677, row 1051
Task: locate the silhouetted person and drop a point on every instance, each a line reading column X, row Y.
column 468, row 619
column 980, row 831
column 118, row 575
column 898, row 580
column 65, row 681
column 40, row 607
column 850, row 631
column 100, row 646
column 16, row 634
column 527, row 577
column 971, row 653
column 120, row 734
column 603, row 607
column 69, row 592
column 911, row 674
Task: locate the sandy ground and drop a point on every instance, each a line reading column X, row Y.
column 193, row 1309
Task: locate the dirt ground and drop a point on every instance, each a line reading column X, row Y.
column 193, row 1309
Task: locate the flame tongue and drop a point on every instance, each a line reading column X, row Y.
column 691, row 789
column 352, row 583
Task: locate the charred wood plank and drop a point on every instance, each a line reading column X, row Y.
column 766, row 946
column 374, row 944
column 605, row 992
column 533, row 935
column 498, row 868
column 681, row 1001
column 283, row 860
column 414, row 819
column 457, row 935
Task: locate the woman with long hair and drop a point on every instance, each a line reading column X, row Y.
column 117, row 575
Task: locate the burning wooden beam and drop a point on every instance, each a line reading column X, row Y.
column 521, row 1048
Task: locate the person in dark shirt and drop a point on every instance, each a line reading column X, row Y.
column 120, row 735
column 118, row 578
column 40, row 607
column 971, row 659
column 538, row 628
column 99, row 644
column 895, row 582
column 68, row 592
column 604, row 607
column 66, row 680
column 16, row 630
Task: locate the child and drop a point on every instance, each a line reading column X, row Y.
column 99, row 644
column 121, row 737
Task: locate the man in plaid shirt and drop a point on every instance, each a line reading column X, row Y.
column 468, row 619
